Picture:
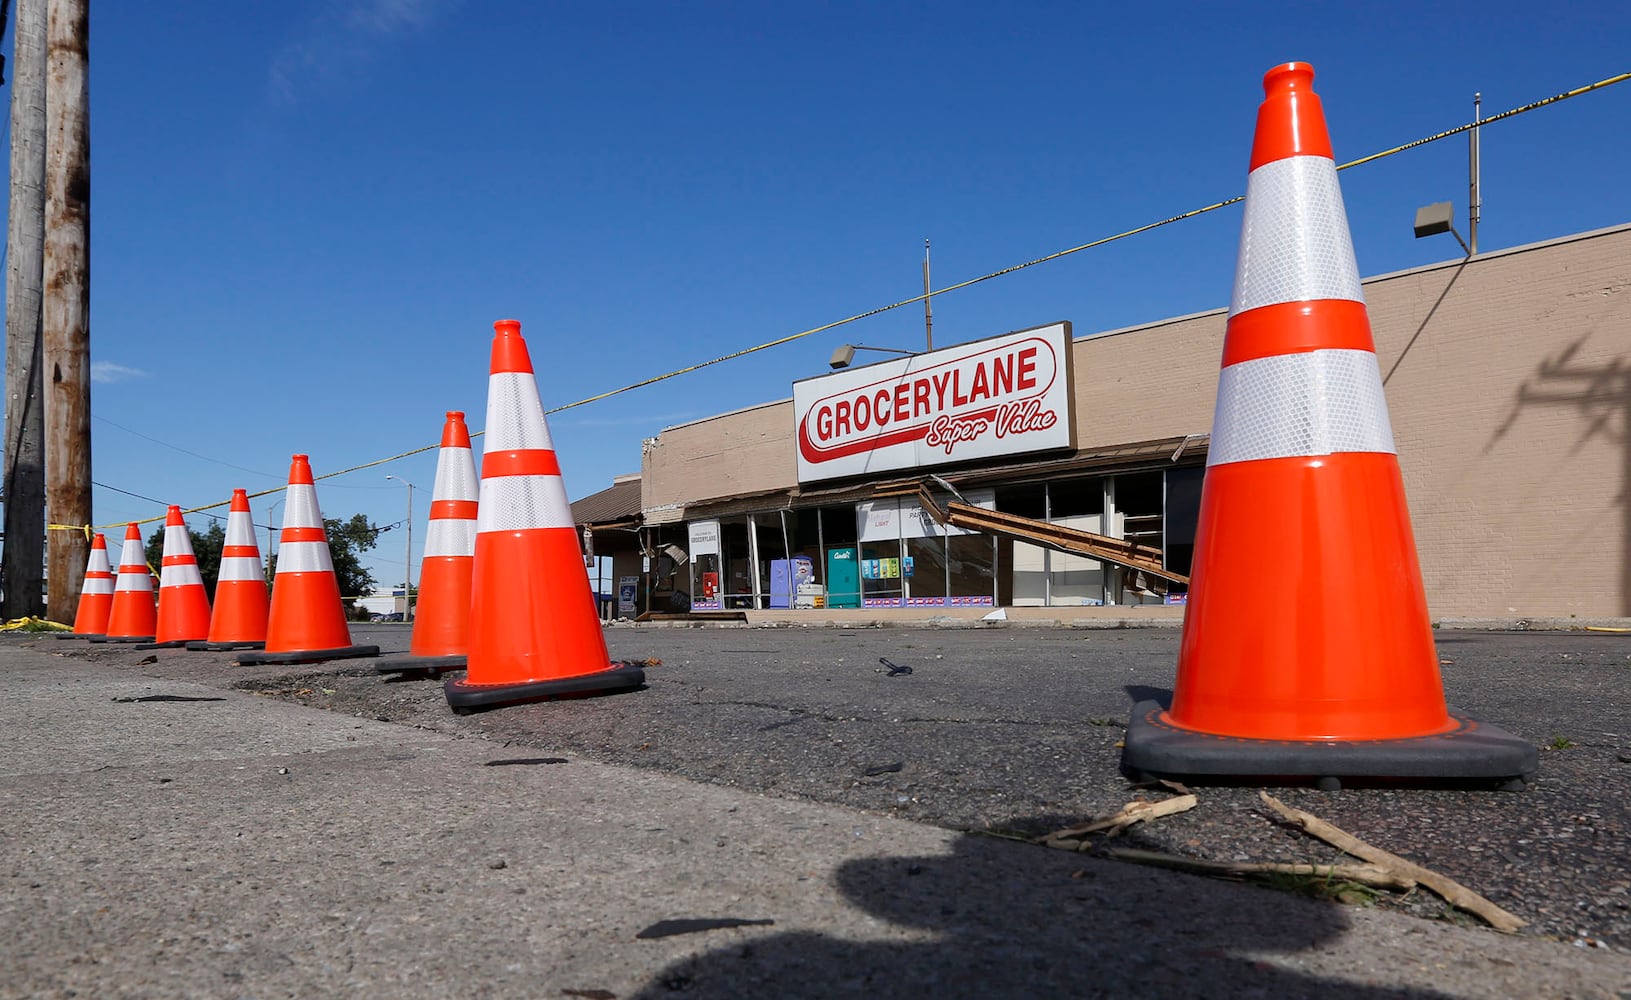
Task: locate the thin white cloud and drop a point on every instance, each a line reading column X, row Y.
column 109, row 371
column 344, row 36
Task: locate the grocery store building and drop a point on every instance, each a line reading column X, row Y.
column 1508, row 381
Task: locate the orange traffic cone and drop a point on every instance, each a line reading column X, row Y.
column 239, row 619
column 132, row 616
column 441, row 624
column 184, row 607
column 307, row 620
column 534, row 633
column 1338, row 678
column 95, row 595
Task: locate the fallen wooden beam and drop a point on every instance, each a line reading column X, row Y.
column 1454, row 893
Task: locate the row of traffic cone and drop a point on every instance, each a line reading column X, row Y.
column 300, row 620
column 502, row 589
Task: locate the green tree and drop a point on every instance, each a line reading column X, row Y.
column 206, row 549
column 347, row 541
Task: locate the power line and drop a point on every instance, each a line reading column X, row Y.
column 1513, row 112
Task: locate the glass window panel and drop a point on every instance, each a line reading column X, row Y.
column 925, row 574
column 971, row 560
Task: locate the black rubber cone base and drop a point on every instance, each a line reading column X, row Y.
column 307, row 655
column 120, row 638
column 80, row 635
column 1472, row 754
column 167, row 644
column 464, row 697
column 201, row 645
column 423, row 666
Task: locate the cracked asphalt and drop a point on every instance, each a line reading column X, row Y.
column 1015, row 731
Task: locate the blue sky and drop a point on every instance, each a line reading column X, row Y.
column 307, row 215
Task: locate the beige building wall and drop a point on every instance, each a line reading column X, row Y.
column 1509, row 387
column 748, row 451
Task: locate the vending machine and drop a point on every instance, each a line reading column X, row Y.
column 843, row 579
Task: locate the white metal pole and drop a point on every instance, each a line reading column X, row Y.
column 1475, row 199
column 407, row 562
column 407, row 556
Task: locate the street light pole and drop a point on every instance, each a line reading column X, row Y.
column 407, row 562
column 269, row 511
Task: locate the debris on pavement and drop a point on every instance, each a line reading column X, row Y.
column 895, row 669
column 1074, row 838
column 1375, row 876
column 1453, row 892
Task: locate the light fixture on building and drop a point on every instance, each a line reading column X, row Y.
column 1438, row 218
column 842, row 357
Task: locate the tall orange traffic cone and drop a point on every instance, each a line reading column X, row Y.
column 441, row 624
column 132, row 616
column 184, row 607
column 95, row 594
column 1336, row 675
column 534, row 632
column 239, row 618
column 307, row 619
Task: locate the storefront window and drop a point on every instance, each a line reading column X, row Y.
column 1139, row 499
column 971, row 566
column 1074, row 579
column 736, row 583
column 705, row 576
column 1028, row 565
column 1183, row 511
column 924, row 571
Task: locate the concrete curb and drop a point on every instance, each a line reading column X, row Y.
column 1106, row 618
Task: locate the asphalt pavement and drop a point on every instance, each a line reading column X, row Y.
column 782, row 811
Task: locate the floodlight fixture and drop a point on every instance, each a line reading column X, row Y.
column 845, row 354
column 1437, row 218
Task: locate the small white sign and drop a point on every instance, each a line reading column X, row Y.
column 704, row 538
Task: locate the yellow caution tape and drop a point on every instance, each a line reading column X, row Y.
column 34, row 625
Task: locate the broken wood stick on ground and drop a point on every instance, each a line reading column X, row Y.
column 1374, row 876
column 1383, row 870
column 1454, row 893
column 1075, row 838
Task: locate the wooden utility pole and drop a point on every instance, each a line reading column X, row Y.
column 67, row 302
column 24, row 561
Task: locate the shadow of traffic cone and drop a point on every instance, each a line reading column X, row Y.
column 95, row 594
column 132, row 616
column 1338, row 679
column 239, row 618
column 441, row 624
column 184, row 607
column 306, row 622
column 534, row 631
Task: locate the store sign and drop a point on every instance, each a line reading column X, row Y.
column 1005, row 395
column 704, row 538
